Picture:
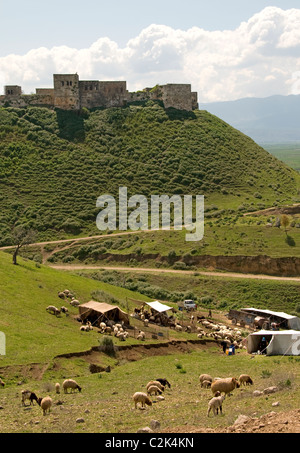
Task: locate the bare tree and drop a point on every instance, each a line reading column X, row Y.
column 21, row 236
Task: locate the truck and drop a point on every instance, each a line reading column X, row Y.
column 251, row 319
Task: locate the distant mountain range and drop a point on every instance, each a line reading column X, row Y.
column 274, row 119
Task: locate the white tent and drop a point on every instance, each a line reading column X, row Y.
column 280, row 342
column 292, row 322
column 158, row 306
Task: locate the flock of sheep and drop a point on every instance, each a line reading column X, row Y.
column 155, row 387
column 46, row 402
column 65, row 295
column 220, row 387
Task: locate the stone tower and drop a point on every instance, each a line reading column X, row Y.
column 66, row 91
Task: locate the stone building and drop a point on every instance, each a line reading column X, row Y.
column 70, row 93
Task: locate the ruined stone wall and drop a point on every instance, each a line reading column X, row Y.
column 66, row 91
column 178, row 96
column 102, row 94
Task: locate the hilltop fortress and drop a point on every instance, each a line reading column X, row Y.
column 70, row 93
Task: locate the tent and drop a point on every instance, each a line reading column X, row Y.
column 280, row 342
column 158, row 306
column 287, row 321
column 99, row 311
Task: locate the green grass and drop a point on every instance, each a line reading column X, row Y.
column 106, row 404
column 220, row 293
column 54, row 165
column 287, row 153
column 32, row 334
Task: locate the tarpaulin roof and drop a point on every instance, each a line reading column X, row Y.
column 292, row 321
column 280, row 342
column 102, row 308
column 158, row 306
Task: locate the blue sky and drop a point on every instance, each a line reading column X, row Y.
column 226, row 49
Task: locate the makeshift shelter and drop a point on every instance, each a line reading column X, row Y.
column 279, row 342
column 286, row 321
column 97, row 312
column 158, row 306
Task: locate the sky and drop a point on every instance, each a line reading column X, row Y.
column 226, row 49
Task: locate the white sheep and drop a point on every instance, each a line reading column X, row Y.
column 141, row 397
column 74, row 302
column 52, row 309
column 141, row 335
column 215, row 404
column 46, row 403
column 206, row 384
column 225, row 385
column 57, row 387
column 178, row 328
column 154, row 389
column 70, row 384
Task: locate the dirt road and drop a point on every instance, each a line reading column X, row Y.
column 70, row 267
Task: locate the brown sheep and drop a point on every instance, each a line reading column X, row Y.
column 226, row 385
column 140, row 397
column 245, row 379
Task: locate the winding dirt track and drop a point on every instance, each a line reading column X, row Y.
column 70, row 267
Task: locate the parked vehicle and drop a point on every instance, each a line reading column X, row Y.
column 189, row 304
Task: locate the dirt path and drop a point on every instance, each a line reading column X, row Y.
column 70, row 267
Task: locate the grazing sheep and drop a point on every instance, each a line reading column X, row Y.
column 188, row 329
column 205, row 377
column 70, row 384
column 178, row 328
column 85, row 328
column 140, row 397
column 57, row 387
column 154, row 389
column 245, row 379
column 52, row 309
column 157, row 383
column 206, row 384
column 61, row 295
column 46, row 403
column 2, row 383
column 28, row 395
column 226, row 385
column 74, row 302
column 64, row 310
column 164, row 382
column 215, row 404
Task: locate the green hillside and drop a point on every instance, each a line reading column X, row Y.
column 32, row 334
column 55, row 164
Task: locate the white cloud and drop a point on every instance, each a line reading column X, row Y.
column 258, row 59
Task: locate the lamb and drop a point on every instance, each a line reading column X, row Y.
column 226, row 385
column 245, row 379
column 157, row 383
column 2, row 383
column 164, row 382
column 154, row 389
column 206, row 384
column 70, row 384
column 52, row 309
column 205, row 377
column 140, row 397
column 215, row 404
column 57, row 387
column 28, row 395
column 46, row 403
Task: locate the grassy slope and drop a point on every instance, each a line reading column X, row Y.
column 54, row 165
column 32, row 334
column 288, row 153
